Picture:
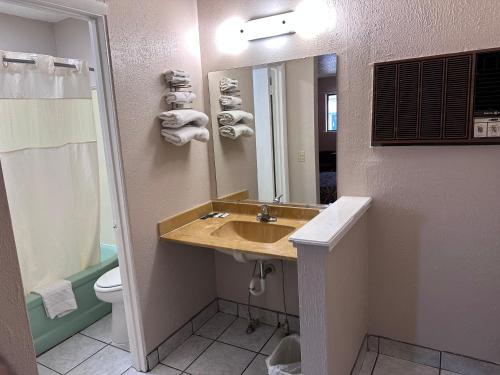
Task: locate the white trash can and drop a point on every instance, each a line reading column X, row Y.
column 285, row 359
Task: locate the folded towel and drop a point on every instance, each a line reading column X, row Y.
column 180, row 82
column 230, row 101
column 58, row 298
column 180, row 97
column 169, row 74
column 183, row 135
column 180, row 117
column 233, row 117
column 228, row 84
column 236, row 131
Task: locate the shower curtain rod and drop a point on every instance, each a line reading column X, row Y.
column 22, row 61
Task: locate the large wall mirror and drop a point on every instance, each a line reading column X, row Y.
column 274, row 130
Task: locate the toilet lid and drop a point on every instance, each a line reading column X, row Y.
column 110, row 279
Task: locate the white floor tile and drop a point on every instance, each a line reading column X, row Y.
column 393, row 366
column 70, row 353
column 158, row 370
column 108, row 361
column 368, row 363
column 221, row 359
column 236, row 335
column 216, row 325
column 45, row 371
column 257, row 367
column 100, row 330
column 185, row 354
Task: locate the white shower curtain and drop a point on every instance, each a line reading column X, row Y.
column 48, row 153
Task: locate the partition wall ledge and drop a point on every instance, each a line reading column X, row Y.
column 332, row 224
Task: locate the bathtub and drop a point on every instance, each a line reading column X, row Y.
column 46, row 332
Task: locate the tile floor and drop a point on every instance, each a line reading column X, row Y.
column 220, row 347
column 380, row 364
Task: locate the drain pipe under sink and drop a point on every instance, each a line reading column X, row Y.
column 264, row 270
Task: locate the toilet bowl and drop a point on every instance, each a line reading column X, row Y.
column 108, row 288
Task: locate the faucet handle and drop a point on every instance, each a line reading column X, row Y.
column 277, row 199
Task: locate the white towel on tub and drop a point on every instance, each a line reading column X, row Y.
column 180, row 117
column 58, row 298
column 183, row 135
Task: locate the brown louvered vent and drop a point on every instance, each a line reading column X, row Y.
column 425, row 101
column 385, row 99
column 407, row 103
column 457, row 107
column 431, row 107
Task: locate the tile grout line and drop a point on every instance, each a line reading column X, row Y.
column 194, row 360
column 47, row 367
column 374, row 364
column 249, row 363
column 71, row 369
column 106, row 343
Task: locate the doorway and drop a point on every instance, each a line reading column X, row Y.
column 62, row 170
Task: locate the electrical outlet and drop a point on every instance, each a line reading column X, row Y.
column 480, row 129
column 301, row 156
column 493, row 129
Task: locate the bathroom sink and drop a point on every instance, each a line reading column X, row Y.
column 253, row 231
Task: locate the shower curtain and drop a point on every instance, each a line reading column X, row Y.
column 48, row 153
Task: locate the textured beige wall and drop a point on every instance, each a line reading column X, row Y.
column 236, row 161
column 16, row 346
column 301, row 129
column 147, row 38
column 434, row 249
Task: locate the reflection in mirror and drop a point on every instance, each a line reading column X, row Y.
column 274, row 131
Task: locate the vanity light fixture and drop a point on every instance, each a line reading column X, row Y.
column 267, row 27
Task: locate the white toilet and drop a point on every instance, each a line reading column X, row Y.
column 108, row 288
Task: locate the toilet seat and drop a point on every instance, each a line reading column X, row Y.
column 109, row 282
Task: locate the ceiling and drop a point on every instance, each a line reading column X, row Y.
column 39, row 14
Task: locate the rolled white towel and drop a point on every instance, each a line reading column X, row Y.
column 230, row 101
column 233, row 117
column 180, row 82
column 236, row 131
column 169, row 74
column 228, row 84
column 183, row 135
column 180, row 117
column 180, row 97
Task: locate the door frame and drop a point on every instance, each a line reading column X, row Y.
column 95, row 13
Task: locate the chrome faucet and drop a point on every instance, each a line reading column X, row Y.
column 277, row 199
column 264, row 217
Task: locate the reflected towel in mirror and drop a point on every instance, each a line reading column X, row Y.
column 234, row 117
column 230, row 101
column 236, row 131
column 180, row 117
column 185, row 134
column 228, row 84
column 180, row 97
